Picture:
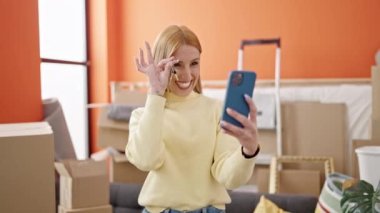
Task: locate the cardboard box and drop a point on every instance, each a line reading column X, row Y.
column 267, row 140
column 83, row 183
column 97, row 209
column 27, row 181
column 124, row 172
column 112, row 133
column 376, row 103
column 292, row 181
column 300, row 182
column 316, row 129
column 375, row 130
column 115, row 133
column 375, row 92
column 133, row 97
column 261, row 176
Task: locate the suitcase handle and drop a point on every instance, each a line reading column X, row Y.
column 277, row 74
column 251, row 42
column 276, row 41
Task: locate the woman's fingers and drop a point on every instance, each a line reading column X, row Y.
column 149, row 53
column 252, row 108
column 239, row 117
column 231, row 129
column 138, row 65
column 162, row 64
column 170, row 64
column 142, row 60
column 158, row 73
column 247, row 135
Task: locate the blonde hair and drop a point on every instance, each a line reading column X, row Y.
column 170, row 40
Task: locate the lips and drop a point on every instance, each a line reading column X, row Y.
column 183, row 85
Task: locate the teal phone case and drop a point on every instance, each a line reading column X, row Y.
column 239, row 83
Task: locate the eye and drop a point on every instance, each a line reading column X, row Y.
column 194, row 63
column 177, row 65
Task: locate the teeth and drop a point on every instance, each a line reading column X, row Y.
column 183, row 85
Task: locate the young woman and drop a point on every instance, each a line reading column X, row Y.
column 191, row 155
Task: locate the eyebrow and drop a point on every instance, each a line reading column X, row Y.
column 195, row 59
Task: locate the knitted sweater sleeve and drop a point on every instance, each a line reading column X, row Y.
column 230, row 167
column 145, row 148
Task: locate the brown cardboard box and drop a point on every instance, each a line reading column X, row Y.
column 125, row 172
column 83, row 183
column 292, row 181
column 115, row 133
column 267, row 140
column 316, row 129
column 134, row 97
column 27, row 182
column 112, row 133
column 375, row 92
column 376, row 130
column 300, row 182
column 262, row 178
column 97, row 209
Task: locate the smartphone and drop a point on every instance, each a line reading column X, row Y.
column 239, row 83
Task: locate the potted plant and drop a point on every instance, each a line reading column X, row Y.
column 360, row 197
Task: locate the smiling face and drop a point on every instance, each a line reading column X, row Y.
column 187, row 70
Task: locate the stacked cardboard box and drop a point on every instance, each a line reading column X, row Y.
column 309, row 129
column 27, row 182
column 316, row 129
column 123, row 171
column 84, row 186
column 291, row 181
column 113, row 133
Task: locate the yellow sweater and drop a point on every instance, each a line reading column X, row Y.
column 190, row 161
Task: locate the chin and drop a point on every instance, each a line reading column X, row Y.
column 182, row 93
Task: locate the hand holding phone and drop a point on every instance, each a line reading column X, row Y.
column 239, row 84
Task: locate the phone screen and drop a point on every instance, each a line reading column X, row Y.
column 239, row 83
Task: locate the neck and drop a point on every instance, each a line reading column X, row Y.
column 173, row 97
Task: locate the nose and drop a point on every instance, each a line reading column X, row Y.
column 184, row 74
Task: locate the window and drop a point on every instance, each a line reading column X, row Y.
column 63, row 54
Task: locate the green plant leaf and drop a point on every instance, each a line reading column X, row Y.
column 376, row 200
column 359, row 198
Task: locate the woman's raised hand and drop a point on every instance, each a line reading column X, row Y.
column 247, row 135
column 158, row 74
